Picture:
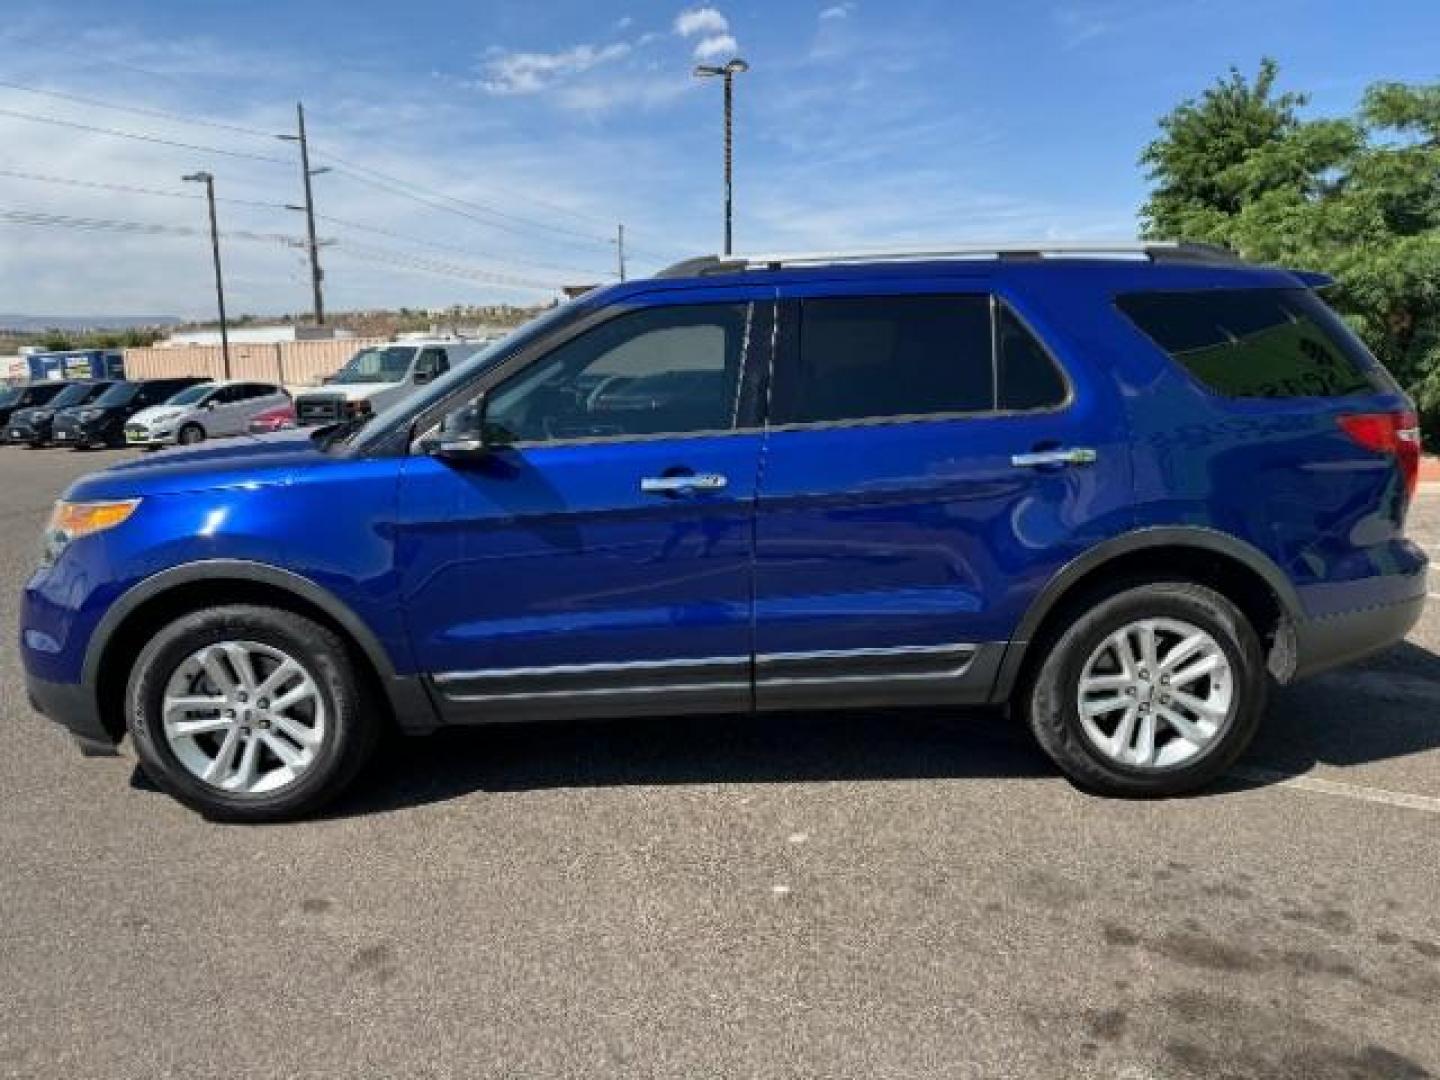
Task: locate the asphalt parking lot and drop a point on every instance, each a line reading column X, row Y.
column 873, row 895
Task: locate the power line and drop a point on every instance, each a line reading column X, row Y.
column 145, row 228
column 359, row 226
column 390, row 257
column 38, row 219
column 140, row 137
column 343, row 223
column 158, row 114
column 346, row 165
column 450, row 203
column 67, row 181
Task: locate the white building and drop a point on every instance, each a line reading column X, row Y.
column 256, row 335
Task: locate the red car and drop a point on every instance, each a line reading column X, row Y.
column 276, row 419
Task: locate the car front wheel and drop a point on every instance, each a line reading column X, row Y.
column 190, row 434
column 249, row 713
column 1156, row 690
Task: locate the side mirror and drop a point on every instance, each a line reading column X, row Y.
column 464, row 434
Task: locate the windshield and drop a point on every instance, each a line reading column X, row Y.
column 119, row 394
column 10, row 395
column 191, row 395
column 74, row 394
column 385, row 364
column 406, row 409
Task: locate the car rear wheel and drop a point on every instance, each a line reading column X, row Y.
column 1154, row 691
column 249, row 713
column 190, row 434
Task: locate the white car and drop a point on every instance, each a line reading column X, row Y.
column 380, row 375
column 210, row 410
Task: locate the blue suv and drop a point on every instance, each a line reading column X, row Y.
column 1120, row 488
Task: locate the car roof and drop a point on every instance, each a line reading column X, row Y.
column 1119, row 266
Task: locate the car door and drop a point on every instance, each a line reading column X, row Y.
column 601, row 562
column 430, row 365
column 929, row 464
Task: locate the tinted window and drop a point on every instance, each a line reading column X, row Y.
column 192, row 395
column 659, row 371
column 39, row 395
column 871, row 357
column 74, row 394
column 1028, row 377
column 1258, row 342
column 122, row 393
column 432, row 362
column 256, row 390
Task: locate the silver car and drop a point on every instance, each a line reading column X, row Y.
column 208, row 411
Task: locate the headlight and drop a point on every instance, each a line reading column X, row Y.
column 42, row 414
column 88, row 414
column 70, row 521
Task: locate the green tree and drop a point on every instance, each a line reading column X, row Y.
column 1358, row 198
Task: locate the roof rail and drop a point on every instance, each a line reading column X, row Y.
column 1157, row 251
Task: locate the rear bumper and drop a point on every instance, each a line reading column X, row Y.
column 1334, row 640
column 73, row 707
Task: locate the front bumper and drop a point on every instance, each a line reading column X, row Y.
column 73, row 707
column 1343, row 638
column 80, row 433
column 311, row 410
column 26, row 433
column 149, row 436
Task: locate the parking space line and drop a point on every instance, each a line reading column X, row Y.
column 1304, row 782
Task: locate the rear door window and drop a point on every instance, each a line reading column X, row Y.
column 867, row 358
column 890, row 357
column 1258, row 343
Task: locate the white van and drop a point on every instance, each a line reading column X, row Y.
column 380, row 375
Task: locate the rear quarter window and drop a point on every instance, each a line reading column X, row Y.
column 1258, row 343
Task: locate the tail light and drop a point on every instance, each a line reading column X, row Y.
column 1396, row 434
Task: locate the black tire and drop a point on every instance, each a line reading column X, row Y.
column 352, row 727
column 190, row 434
column 1051, row 705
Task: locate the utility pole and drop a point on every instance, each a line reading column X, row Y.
column 316, row 274
column 728, row 73
column 209, row 181
column 620, row 247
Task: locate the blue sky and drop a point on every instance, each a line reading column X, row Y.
column 862, row 122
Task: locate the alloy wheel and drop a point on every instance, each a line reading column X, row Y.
column 244, row 717
column 1156, row 694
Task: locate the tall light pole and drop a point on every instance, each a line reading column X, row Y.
column 209, row 182
column 316, row 274
column 727, row 72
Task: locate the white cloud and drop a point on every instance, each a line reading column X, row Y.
column 838, row 11
column 705, row 20
column 532, row 72
column 715, row 46
column 624, row 22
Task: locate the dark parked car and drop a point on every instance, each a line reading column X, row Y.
column 15, row 398
column 36, row 426
column 101, row 422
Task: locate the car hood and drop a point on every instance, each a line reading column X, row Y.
column 149, row 416
column 350, row 391
column 247, row 460
column 23, row 415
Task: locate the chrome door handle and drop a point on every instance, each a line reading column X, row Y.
column 1080, row 455
column 682, row 485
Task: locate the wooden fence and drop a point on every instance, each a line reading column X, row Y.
column 290, row 363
